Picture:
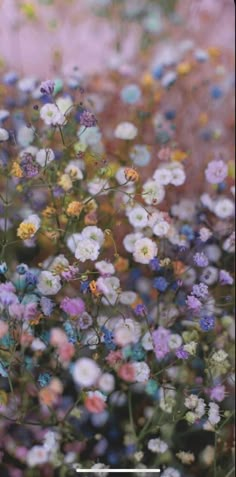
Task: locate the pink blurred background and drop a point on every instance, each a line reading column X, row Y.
column 68, row 34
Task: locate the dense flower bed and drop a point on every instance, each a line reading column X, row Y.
column 116, row 293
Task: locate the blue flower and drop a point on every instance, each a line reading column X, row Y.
column 154, row 264
column 187, row 231
column 3, row 268
column 140, row 155
column 158, row 72
column 130, row 94
column 22, row 268
column 216, row 92
column 108, row 338
column 207, row 323
column 151, row 387
column 160, row 283
column 84, row 286
column 44, row 379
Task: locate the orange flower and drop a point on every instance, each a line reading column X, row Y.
column 179, row 268
column 178, row 155
column 16, row 170
column 93, row 288
column 74, row 208
column 122, row 264
column 131, row 174
column 49, row 212
column 47, row 396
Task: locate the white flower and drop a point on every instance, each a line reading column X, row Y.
column 186, row 458
column 167, row 400
column 204, row 234
column 142, row 371
column 224, row 208
column 97, row 185
column 59, row 263
column 127, row 331
column 219, row 356
column 50, row 441
column 168, row 79
column 128, row 297
column 163, row 176
column 90, row 136
column 213, row 252
column 25, row 135
column 207, row 201
column 4, row 135
column 161, row 228
column 171, row 472
column 51, row 115
column 191, row 401
column 147, row 341
column 26, row 84
column 157, row 445
column 38, row 345
column 126, row 131
column 209, row 275
column 138, row 217
column 109, row 286
column 144, row 250
column 38, row 455
column 214, row 413
column 87, row 249
column 93, row 233
column 100, row 465
column 44, row 157
column 105, row 268
column 153, row 193
column 64, row 103
column 72, row 241
column 74, row 171
column 174, row 341
column 130, row 240
column 48, row 284
column 106, row 383
column 86, row 372
column 184, row 210
column 178, row 176
column 191, row 347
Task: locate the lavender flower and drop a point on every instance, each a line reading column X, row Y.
column 207, row 323
column 87, row 119
column 200, row 290
column 29, row 167
column 140, row 310
column 201, row 259
column 225, row 278
column 47, row 306
column 47, row 87
column 193, row 303
column 181, row 353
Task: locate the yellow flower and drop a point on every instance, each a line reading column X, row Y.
column 178, row 155
column 74, row 208
column 3, row 398
column 131, row 174
column 203, row 119
column 65, row 182
column 29, row 10
column 147, row 80
column 214, row 52
column 26, row 230
column 16, row 170
column 48, row 212
column 93, row 288
column 184, row 68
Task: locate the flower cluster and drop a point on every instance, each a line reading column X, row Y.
column 116, row 274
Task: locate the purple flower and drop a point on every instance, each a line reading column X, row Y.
column 47, row 87
column 200, row 290
column 160, row 340
column 193, row 303
column 207, row 323
column 140, row 310
column 85, row 321
column 70, row 273
column 216, row 172
column 201, row 259
column 181, row 353
column 225, row 278
column 29, row 167
column 154, row 264
column 72, row 306
column 47, row 305
column 218, row 393
column 87, row 119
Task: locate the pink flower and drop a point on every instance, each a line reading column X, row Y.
column 66, row 351
column 73, row 306
column 3, row 328
column 114, row 357
column 94, row 404
column 127, row 372
column 58, row 337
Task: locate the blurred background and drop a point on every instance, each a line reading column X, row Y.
column 42, row 37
